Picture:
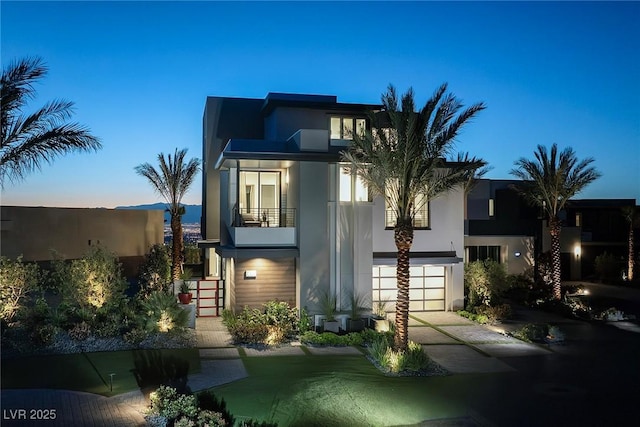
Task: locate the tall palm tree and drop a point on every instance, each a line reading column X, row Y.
column 550, row 181
column 402, row 158
column 632, row 216
column 29, row 140
column 172, row 181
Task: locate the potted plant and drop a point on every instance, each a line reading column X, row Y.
column 328, row 304
column 356, row 322
column 379, row 317
column 185, row 294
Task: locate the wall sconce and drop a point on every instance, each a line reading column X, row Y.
column 517, row 254
column 286, row 177
column 577, row 250
column 250, row 274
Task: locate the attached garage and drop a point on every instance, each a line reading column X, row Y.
column 429, row 275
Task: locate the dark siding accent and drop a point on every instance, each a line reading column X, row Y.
column 276, row 280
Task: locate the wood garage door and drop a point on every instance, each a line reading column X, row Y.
column 426, row 287
column 275, row 279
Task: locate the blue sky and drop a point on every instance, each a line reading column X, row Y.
column 139, row 73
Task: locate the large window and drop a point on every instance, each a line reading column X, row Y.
column 343, row 127
column 259, row 196
column 352, row 187
column 420, row 212
column 482, row 253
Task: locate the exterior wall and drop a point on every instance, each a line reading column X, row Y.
column 446, row 220
column 446, row 234
column 34, row 231
column 275, row 280
column 283, row 122
column 509, row 245
column 570, row 240
column 313, row 233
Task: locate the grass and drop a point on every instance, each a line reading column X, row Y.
column 332, row 390
column 90, row 372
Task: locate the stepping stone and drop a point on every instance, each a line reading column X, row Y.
column 334, row 351
column 513, row 349
column 427, row 335
column 219, row 353
column 279, row 351
column 461, row 359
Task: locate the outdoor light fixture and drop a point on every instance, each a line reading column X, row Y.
column 250, row 274
column 577, row 250
column 517, row 254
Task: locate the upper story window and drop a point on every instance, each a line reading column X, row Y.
column 352, row 187
column 420, row 213
column 344, row 127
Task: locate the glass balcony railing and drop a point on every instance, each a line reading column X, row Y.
column 266, row 217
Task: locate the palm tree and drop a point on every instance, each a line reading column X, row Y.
column 632, row 216
column 550, row 181
column 30, row 140
column 172, row 182
column 402, row 158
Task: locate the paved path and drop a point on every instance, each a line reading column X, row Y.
column 459, row 345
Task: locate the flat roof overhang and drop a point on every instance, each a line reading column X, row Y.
column 418, row 258
column 246, row 253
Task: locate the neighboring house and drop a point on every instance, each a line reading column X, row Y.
column 34, row 232
column 282, row 220
column 501, row 225
column 602, row 228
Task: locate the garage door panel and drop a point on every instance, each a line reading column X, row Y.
column 434, row 305
column 431, row 270
column 416, row 294
column 434, row 282
column 416, row 282
column 416, row 305
column 434, row 293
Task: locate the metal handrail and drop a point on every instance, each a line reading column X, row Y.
column 267, row 217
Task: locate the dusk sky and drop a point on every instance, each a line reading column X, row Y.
column 139, row 74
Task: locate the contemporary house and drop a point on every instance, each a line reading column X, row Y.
column 284, row 219
column 502, row 226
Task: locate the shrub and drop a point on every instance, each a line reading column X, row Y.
column 163, row 313
column 208, row 401
column 494, row 314
column 413, row 359
column 155, row 272
column 608, row 267
column 192, row 254
column 44, row 334
column 331, row 339
column 17, row 281
column 305, row 323
column 478, row 318
column 249, row 333
column 531, row 332
column 93, row 282
column 281, row 320
column 80, row 331
column 207, row 418
column 476, row 282
column 135, row 336
column 166, row 402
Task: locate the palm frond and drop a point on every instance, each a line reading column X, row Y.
column 553, row 178
column 27, row 142
column 403, row 157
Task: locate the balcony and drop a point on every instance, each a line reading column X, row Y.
column 264, row 227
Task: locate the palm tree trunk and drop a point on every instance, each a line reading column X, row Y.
column 632, row 255
column 176, row 247
column 554, row 225
column 403, row 236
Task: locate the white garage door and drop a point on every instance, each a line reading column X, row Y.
column 426, row 287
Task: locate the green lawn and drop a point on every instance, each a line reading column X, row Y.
column 89, row 372
column 334, row 391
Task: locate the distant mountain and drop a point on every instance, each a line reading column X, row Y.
column 192, row 215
